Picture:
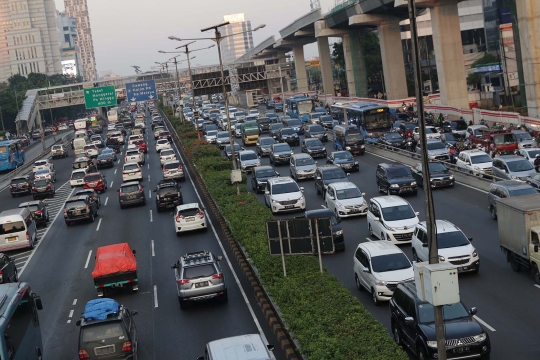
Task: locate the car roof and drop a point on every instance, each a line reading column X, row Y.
column 511, row 184
column 310, row 214
column 79, row 170
column 443, row 226
column 392, row 165
column 510, row 158
column 188, row 206
column 129, row 183
column 171, row 162
column 131, row 163
column 474, row 152
column 390, row 200
column 247, row 152
column 263, row 167
column 343, row 185
column 94, row 173
column 380, row 247
column 28, row 203
column 328, row 167
column 301, row 156
column 77, row 197
column 280, row 180
column 477, row 127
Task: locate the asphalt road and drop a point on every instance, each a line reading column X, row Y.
column 507, row 302
column 59, row 270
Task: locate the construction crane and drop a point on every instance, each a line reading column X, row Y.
column 137, row 69
column 315, row 4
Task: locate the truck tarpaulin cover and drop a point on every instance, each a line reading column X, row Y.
column 113, row 259
column 99, row 309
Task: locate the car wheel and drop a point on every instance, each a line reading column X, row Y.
column 183, row 304
column 397, row 334
column 493, row 212
column 370, row 231
column 92, row 217
column 16, row 276
column 376, row 301
column 514, row 264
column 421, row 353
column 318, row 191
column 415, row 256
column 358, row 283
column 536, row 274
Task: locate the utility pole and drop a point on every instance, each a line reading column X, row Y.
column 430, row 208
column 50, row 109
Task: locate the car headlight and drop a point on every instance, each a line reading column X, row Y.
column 325, row 186
column 475, row 254
column 363, row 146
column 347, row 148
column 514, row 177
column 339, row 232
column 476, row 168
column 275, row 202
column 380, row 283
column 480, row 338
column 413, row 182
column 258, row 163
column 432, row 344
column 451, row 177
column 441, row 258
column 356, row 163
column 340, row 206
column 394, row 186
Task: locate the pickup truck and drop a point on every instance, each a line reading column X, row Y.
column 115, row 267
column 519, row 232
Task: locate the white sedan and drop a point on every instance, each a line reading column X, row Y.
column 162, row 144
column 188, row 217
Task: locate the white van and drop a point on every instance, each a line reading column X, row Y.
column 243, row 347
column 17, row 229
column 77, row 177
column 81, row 134
column 78, row 145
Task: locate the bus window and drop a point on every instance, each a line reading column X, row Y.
column 19, row 333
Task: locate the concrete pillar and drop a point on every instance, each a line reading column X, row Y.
column 355, row 67
column 326, row 65
column 395, row 81
column 528, row 14
column 449, row 53
column 300, row 66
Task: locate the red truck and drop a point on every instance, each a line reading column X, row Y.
column 504, row 140
column 116, row 267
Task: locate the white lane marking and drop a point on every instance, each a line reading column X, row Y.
column 369, row 239
column 155, row 296
column 88, row 259
column 149, row 194
column 538, row 286
column 151, row 216
column 71, row 313
column 250, row 308
column 69, row 321
column 148, row 177
column 26, row 252
column 115, row 170
column 43, row 236
column 153, row 252
column 483, row 323
column 112, row 182
column 149, row 166
column 75, row 302
column 99, row 224
column 106, row 200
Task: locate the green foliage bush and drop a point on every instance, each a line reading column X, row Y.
column 328, row 322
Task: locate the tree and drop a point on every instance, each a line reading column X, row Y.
column 486, row 59
column 474, row 79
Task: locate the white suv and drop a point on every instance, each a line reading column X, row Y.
column 345, row 199
column 475, row 162
column 454, row 247
column 379, row 267
column 43, row 164
column 166, row 155
column 131, row 171
column 391, row 218
column 284, row 194
column 134, row 155
column 162, row 144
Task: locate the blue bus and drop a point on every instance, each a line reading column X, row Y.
column 299, row 107
column 11, row 154
column 20, row 333
column 371, row 118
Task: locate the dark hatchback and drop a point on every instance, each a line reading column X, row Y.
column 440, row 176
column 326, row 121
column 113, row 144
column 289, row 136
column 395, row 179
column 337, row 230
column 313, row 147
column 264, row 124
column 131, row 193
column 92, row 194
column 260, row 177
column 168, row 195
column 42, row 188
column 392, row 140
column 79, row 208
column 264, row 146
column 274, row 129
column 39, row 211
column 316, row 131
column 228, row 153
column 21, row 185
column 326, row 175
column 105, row 161
column 413, row 326
column 344, row 160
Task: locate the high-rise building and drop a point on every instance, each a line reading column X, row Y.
column 71, row 59
column 30, row 42
column 232, row 47
column 78, row 9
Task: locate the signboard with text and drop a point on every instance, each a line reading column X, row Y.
column 141, row 90
column 99, row 97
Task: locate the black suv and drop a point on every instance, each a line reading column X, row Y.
column 343, row 159
column 313, row 147
column 168, row 194
column 107, row 331
column 94, row 196
column 413, row 326
column 39, row 211
column 326, row 175
column 80, row 208
column 273, row 130
column 43, row 188
column 395, row 179
column 288, row 135
column 21, row 185
column 264, row 124
column 315, row 131
column 131, row 193
column 260, row 177
column 337, row 230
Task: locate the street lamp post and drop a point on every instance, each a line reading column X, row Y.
column 50, row 108
column 176, row 68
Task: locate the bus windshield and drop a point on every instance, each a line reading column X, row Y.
column 353, row 138
column 305, row 107
column 378, row 121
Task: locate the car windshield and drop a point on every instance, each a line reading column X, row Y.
column 430, row 130
column 40, row 163
column 101, row 332
column 409, row 126
column 437, row 168
column 31, row 207
column 264, row 173
column 18, row 181
column 77, row 175
column 201, row 271
column 334, row 174
column 305, row 161
column 392, row 136
column 352, row 138
column 171, row 165
column 449, row 137
column 222, row 134
column 451, row 239
column 89, row 147
column 211, row 133
column 239, row 113
column 504, row 139
column 284, row 188
column 523, row 191
column 315, row 143
column 42, row 171
column 288, row 131
column 55, row 147
column 132, row 152
column 481, row 159
column 162, row 141
column 75, row 204
column 519, row 165
column 166, row 152
column 533, row 153
column 399, row 212
column 12, row 227
column 39, row 183
column 131, row 167
column 267, row 141
column 458, row 125
column 130, row 188
column 350, row 193
column 435, row 145
column 248, row 156
column 345, row 155
column 390, row 262
column 398, row 172
column 316, row 129
column 296, row 123
column 93, row 177
column 450, row 312
column 523, row 136
column 282, row 148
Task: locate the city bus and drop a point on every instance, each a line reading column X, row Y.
column 372, row 119
column 19, row 322
column 82, row 124
column 11, row 154
column 299, row 107
column 112, row 115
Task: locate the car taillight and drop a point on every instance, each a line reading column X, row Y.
column 27, row 236
column 180, row 167
column 11, row 186
column 34, row 189
column 217, row 276
column 120, row 193
column 138, row 170
column 83, row 354
column 165, row 169
column 182, row 281
column 140, row 190
column 127, row 346
column 38, row 211
column 9, row 158
column 48, row 187
column 178, row 217
column 65, row 212
column 201, row 214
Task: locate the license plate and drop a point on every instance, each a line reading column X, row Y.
column 104, row 350
column 289, row 206
column 12, row 238
column 405, row 189
column 463, row 268
column 461, row 350
column 130, row 197
column 78, row 212
column 190, row 219
column 201, row 284
column 352, row 211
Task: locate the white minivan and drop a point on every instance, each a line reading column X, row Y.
column 391, row 218
column 17, row 229
column 243, row 347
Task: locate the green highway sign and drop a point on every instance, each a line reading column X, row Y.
column 99, row 97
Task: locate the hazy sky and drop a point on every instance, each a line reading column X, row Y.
column 130, row 32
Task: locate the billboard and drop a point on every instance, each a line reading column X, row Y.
column 69, row 67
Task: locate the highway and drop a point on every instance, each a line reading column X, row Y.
column 60, row 267
column 506, row 301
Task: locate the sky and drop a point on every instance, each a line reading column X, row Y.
column 131, row 32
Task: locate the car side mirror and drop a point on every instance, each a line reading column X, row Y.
column 417, row 213
column 470, row 239
column 270, row 347
column 376, row 219
column 134, row 313
column 257, row 144
column 319, row 178
column 174, row 266
column 332, row 198
column 219, row 258
column 366, row 270
column 134, row 251
column 348, row 174
column 535, row 248
column 473, row 311
column 78, row 322
column 409, row 320
column 277, row 174
column 468, row 162
column 301, row 188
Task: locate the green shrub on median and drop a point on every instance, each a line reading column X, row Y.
column 328, row 322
